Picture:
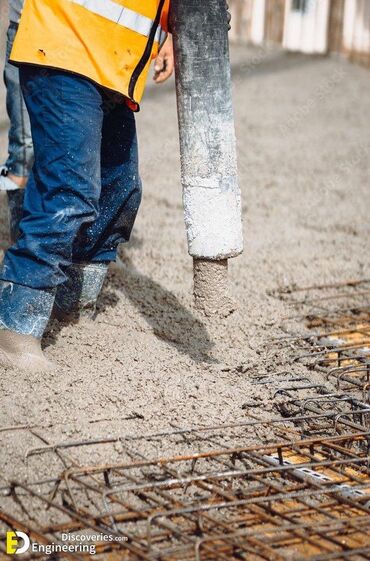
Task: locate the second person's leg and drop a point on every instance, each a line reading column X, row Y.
column 20, row 150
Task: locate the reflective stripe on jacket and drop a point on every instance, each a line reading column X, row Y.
column 112, row 42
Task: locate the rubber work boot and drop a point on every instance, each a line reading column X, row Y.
column 24, row 314
column 76, row 298
column 23, row 352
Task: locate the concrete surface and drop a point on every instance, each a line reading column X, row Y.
column 303, row 140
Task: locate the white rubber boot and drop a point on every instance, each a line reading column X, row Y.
column 22, row 352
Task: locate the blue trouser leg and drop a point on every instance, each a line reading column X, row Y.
column 96, row 243
column 20, row 148
column 121, row 189
column 84, row 192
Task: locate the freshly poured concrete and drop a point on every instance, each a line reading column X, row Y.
column 150, row 359
column 211, row 288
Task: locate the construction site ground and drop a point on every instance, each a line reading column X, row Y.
column 149, row 361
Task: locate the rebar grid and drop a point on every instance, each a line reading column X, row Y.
column 292, row 499
column 314, row 406
column 296, row 488
column 339, row 314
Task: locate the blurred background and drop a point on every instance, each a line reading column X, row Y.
column 308, row 26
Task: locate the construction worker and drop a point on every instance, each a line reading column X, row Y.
column 83, row 67
column 14, row 173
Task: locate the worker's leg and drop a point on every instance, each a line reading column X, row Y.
column 62, row 194
column 96, row 244
column 15, row 172
column 121, row 189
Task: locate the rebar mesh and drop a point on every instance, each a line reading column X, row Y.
column 288, row 499
column 293, row 488
column 338, row 317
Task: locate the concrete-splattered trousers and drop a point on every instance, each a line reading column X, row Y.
column 81, row 199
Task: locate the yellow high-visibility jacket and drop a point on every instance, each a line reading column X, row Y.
column 112, row 42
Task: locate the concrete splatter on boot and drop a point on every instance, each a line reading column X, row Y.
column 76, row 298
column 23, row 352
column 24, row 314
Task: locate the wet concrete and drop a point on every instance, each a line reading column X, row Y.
column 211, row 287
column 303, row 142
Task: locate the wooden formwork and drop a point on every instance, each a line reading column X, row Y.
column 241, row 12
column 274, row 20
column 335, row 27
column 356, row 31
